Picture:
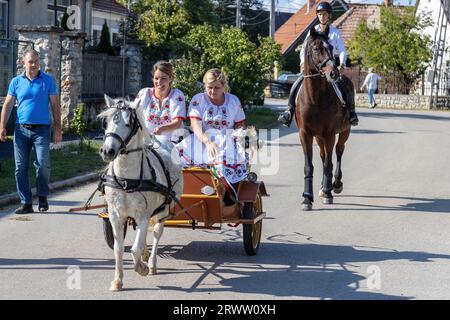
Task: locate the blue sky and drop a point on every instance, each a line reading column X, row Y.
column 294, row 5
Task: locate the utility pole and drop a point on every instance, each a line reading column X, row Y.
column 238, row 13
column 124, row 54
column 272, row 19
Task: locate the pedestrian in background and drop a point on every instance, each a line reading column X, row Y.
column 371, row 82
column 33, row 90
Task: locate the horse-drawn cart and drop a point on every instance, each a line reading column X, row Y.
column 203, row 207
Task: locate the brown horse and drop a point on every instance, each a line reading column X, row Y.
column 320, row 114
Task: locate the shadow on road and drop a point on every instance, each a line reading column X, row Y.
column 405, row 114
column 288, row 269
column 433, row 205
column 281, row 269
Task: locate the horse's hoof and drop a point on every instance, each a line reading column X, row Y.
column 321, row 193
column 306, row 206
column 327, row 200
column 338, row 189
column 142, row 269
column 116, row 286
column 153, row 270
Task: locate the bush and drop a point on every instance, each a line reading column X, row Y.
column 247, row 65
column 78, row 125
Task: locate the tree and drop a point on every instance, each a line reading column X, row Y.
column 161, row 24
column 105, row 44
column 200, row 12
column 247, row 65
column 399, row 45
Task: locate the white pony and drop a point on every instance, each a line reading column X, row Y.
column 136, row 183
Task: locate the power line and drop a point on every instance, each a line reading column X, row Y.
column 254, row 24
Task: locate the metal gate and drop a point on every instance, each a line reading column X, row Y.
column 8, row 61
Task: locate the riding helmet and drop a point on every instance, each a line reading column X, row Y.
column 324, row 6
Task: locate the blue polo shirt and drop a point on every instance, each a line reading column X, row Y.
column 33, row 97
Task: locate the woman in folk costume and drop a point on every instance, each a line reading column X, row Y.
column 164, row 107
column 214, row 115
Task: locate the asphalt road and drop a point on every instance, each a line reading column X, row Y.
column 386, row 237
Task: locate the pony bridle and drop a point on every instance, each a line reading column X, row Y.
column 133, row 123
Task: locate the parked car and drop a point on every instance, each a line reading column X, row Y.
column 282, row 86
column 288, row 77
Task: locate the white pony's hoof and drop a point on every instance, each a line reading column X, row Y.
column 153, row 270
column 116, row 286
column 142, row 269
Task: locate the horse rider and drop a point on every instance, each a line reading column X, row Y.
column 324, row 12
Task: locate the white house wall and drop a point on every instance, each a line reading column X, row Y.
column 433, row 6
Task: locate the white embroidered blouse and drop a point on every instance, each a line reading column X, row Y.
column 172, row 107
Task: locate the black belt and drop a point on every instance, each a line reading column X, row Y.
column 32, row 126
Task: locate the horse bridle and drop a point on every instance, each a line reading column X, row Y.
column 133, row 123
column 319, row 66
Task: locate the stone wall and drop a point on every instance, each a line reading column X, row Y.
column 406, row 102
column 72, row 44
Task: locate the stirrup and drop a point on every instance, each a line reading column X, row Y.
column 285, row 118
column 354, row 120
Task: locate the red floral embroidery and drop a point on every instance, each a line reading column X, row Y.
column 224, row 123
column 195, row 103
column 167, row 106
column 166, row 117
column 180, row 98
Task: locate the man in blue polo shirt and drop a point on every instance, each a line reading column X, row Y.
column 33, row 90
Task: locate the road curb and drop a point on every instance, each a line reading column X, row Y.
column 14, row 198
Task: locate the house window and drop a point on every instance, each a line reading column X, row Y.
column 59, row 2
column 95, row 37
column 115, row 37
column 60, row 8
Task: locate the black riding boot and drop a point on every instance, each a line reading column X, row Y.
column 286, row 116
column 349, row 103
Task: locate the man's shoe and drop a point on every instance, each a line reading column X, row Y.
column 24, row 208
column 374, row 105
column 285, row 118
column 353, row 118
column 43, row 204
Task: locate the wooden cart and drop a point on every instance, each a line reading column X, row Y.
column 203, row 207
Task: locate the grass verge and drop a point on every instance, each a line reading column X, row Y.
column 261, row 118
column 67, row 162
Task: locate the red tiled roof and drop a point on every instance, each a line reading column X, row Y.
column 349, row 21
column 291, row 32
column 288, row 33
column 110, row 6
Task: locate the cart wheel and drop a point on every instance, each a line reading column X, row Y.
column 252, row 232
column 108, row 232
